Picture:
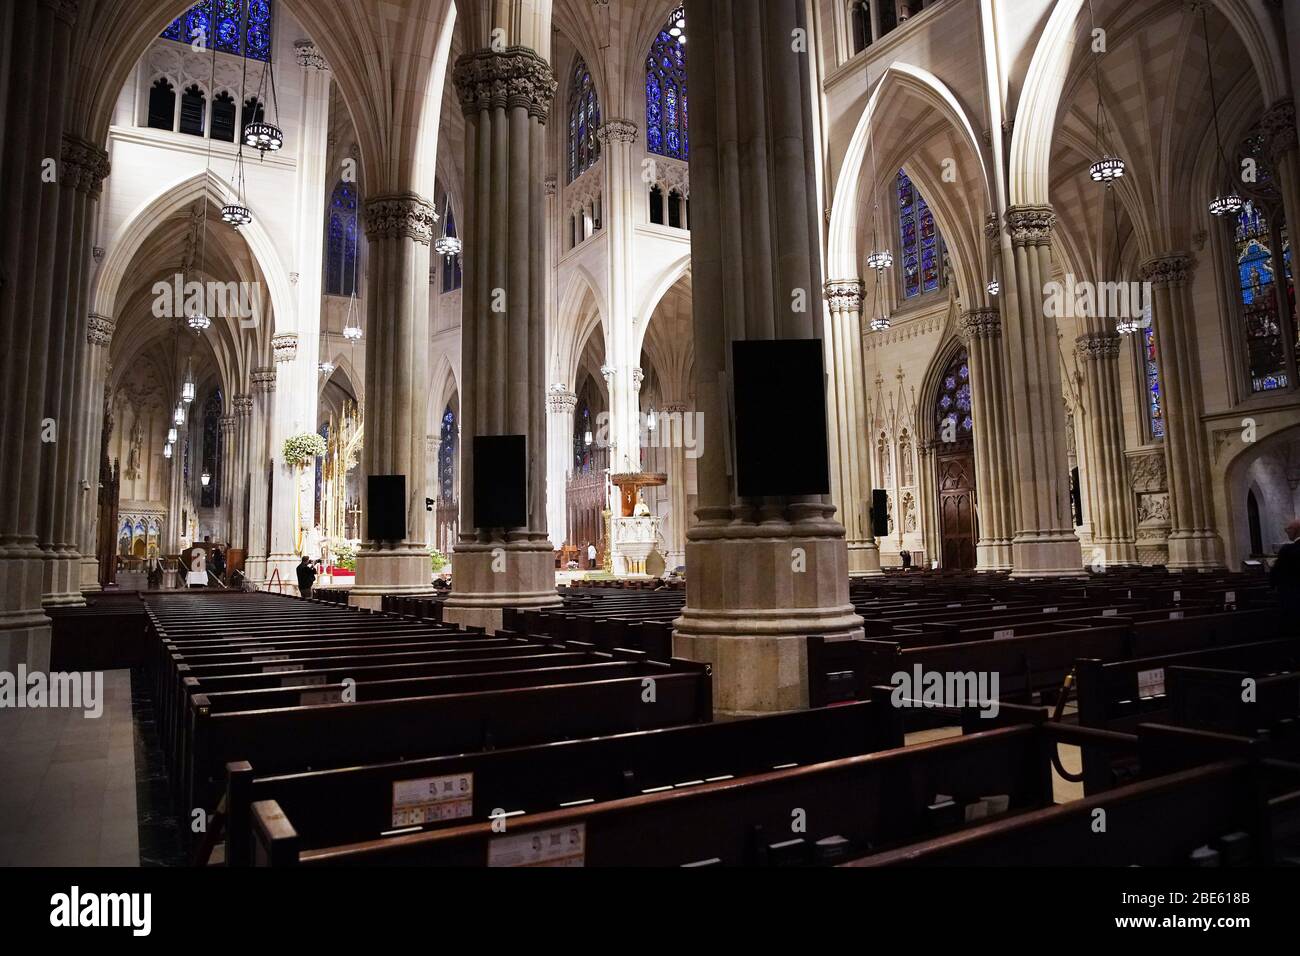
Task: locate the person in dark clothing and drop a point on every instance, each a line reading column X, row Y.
column 219, row 561
column 306, row 577
column 1285, row 579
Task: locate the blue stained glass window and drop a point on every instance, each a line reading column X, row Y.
column 922, row 246
column 1155, row 402
column 667, row 107
column 447, row 456
column 341, row 241
column 953, row 406
column 584, row 121
column 1257, row 282
column 221, row 21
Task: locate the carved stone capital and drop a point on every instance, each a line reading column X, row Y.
column 65, row 10
column 638, row 377
column 551, row 185
column 1094, row 346
column 84, row 165
column 844, row 295
column 617, row 131
column 226, row 424
column 980, row 324
column 991, row 229
column 309, row 55
column 1172, row 269
column 285, row 347
column 243, row 405
column 562, row 403
column 99, row 330
column 1279, row 129
column 400, row 216
column 1031, row 225
column 674, row 408
column 514, row 77
column 264, row 380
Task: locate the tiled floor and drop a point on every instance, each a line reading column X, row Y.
column 68, row 784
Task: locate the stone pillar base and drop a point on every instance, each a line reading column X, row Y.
column 1193, row 550
column 61, row 579
column 864, row 559
column 255, row 571
column 750, row 605
column 90, row 576
column 24, row 628
column 380, row 572
column 1051, row 555
column 488, row 578
column 994, row 556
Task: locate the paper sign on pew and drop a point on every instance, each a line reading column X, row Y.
column 433, row 799
column 563, row 846
column 1151, row 683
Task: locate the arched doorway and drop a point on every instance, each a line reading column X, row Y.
column 955, row 467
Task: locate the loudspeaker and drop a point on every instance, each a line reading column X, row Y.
column 386, row 507
column 500, row 481
column 879, row 513
column 780, row 406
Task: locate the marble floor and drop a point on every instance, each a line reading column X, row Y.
column 79, row 791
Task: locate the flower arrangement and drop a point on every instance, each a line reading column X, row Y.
column 345, row 557
column 301, row 449
column 437, row 559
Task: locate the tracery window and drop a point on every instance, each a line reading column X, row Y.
column 953, row 407
column 584, row 121
column 235, row 26
column 341, row 241
column 447, row 456
column 667, row 109
column 1151, row 378
column 1264, row 295
column 919, row 241
column 210, row 495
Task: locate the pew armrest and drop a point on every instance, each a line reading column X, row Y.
column 275, row 841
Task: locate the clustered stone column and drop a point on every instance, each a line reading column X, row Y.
column 399, row 228
column 847, row 411
column 1110, row 498
column 99, row 336
column 622, row 353
column 506, row 98
column 764, row 574
column 226, row 429
column 263, row 406
column 242, row 482
column 678, row 509
column 1193, row 542
column 981, row 329
column 33, row 334
column 291, row 378
column 1044, row 544
column 560, row 406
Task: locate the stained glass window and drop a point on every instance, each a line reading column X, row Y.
column 222, row 20
column 1257, row 281
column 447, row 456
column 921, row 245
column 1151, row 370
column 341, row 241
column 210, row 496
column 953, row 408
column 667, row 109
column 584, row 121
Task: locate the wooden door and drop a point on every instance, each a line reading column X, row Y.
column 957, row 524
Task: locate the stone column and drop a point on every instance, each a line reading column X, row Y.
column 99, row 336
column 678, row 516
column 981, row 329
column 1110, row 496
column 764, row 575
column 432, row 487
column 506, row 98
column 226, row 512
column 292, row 405
column 560, row 406
column 82, row 169
column 622, row 353
column 847, row 408
column 1045, row 544
column 1193, row 541
column 242, row 481
column 400, row 229
column 36, row 86
column 255, row 565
